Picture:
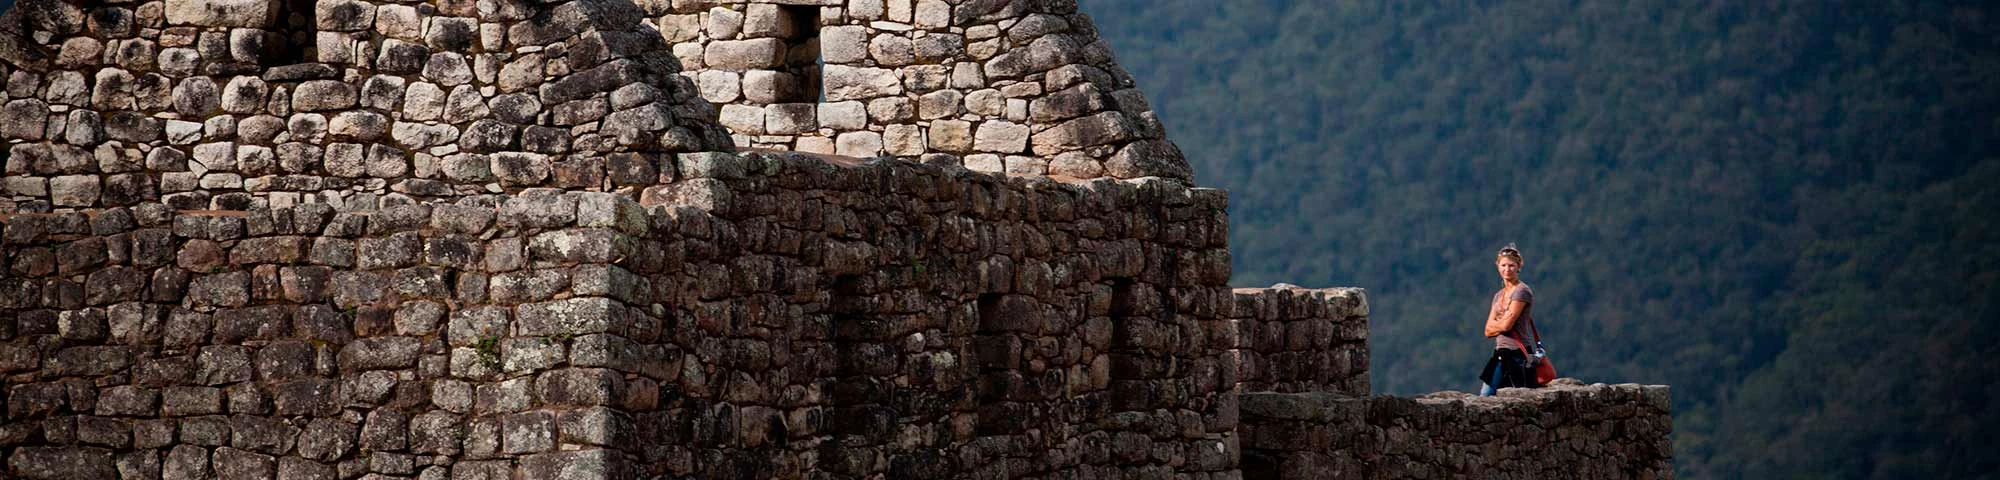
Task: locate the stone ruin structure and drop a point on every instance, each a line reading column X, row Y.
column 584, row 239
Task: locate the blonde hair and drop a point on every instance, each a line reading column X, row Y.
column 1509, row 251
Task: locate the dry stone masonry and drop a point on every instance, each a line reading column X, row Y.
column 611, row 239
column 228, row 104
column 1568, row 430
column 1293, row 340
column 1022, row 87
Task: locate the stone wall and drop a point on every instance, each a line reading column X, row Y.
column 413, row 341
column 769, row 316
column 229, row 104
column 937, row 323
column 1023, row 87
column 1289, row 339
column 922, row 321
column 1563, row 431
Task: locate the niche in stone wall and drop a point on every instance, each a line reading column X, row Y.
column 295, row 39
column 1132, row 328
column 997, row 355
column 858, row 389
column 798, row 80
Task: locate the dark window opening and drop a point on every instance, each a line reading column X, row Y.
column 799, row 80
column 1133, row 368
column 294, row 38
column 997, row 356
column 1121, row 298
column 857, row 387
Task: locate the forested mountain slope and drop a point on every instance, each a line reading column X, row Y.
column 1784, row 209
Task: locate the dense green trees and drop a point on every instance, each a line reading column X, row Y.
column 1783, row 209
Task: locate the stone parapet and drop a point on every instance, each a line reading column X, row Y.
column 1564, row 431
column 1290, row 339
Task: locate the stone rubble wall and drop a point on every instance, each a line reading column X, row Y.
column 230, row 104
column 449, row 341
column 1559, row 432
column 922, row 321
column 770, row 316
column 1023, row 87
column 1289, row 339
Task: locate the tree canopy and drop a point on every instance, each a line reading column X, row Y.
column 1783, row 209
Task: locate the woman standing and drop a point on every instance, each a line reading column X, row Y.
column 1507, row 322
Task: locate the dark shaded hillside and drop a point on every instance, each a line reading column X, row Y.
column 1783, row 209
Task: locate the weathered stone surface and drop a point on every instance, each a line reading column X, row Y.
column 383, row 92
column 234, row 463
column 359, row 125
column 452, row 34
column 1001, row 136
column 221, row 13
column 1148, row 158
column 858, row 144
column 62, row 463
column 343, row 15
column 400, row 57
column 23, row 119
column 327, row 439
column 1383, row 424
column 399, row 21
column 448, row 68
column 515, row 168
column 744, row 54
column 851, row 83
column 1100, row 129
column 516, row 108
column 323, row 95
column 791, row 118
column 379, row 353
column 423, row 101
column 891, row 50
column 74, row 190
column 489, row 136
column 951, row 136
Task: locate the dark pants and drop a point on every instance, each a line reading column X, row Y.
column 1507, row 368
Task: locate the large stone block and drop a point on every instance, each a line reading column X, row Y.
column 23, row 119
column 1100, row 129
column 222, row 13
column 54, row 463
column 578, row 464
column 1001, row 136
column 741, row 55
column 380, row 353
column 575, row 316
column 859, row 83
column 343, row 15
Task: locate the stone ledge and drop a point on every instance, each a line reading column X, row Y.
column 1565, row 431
column 1318, row 406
